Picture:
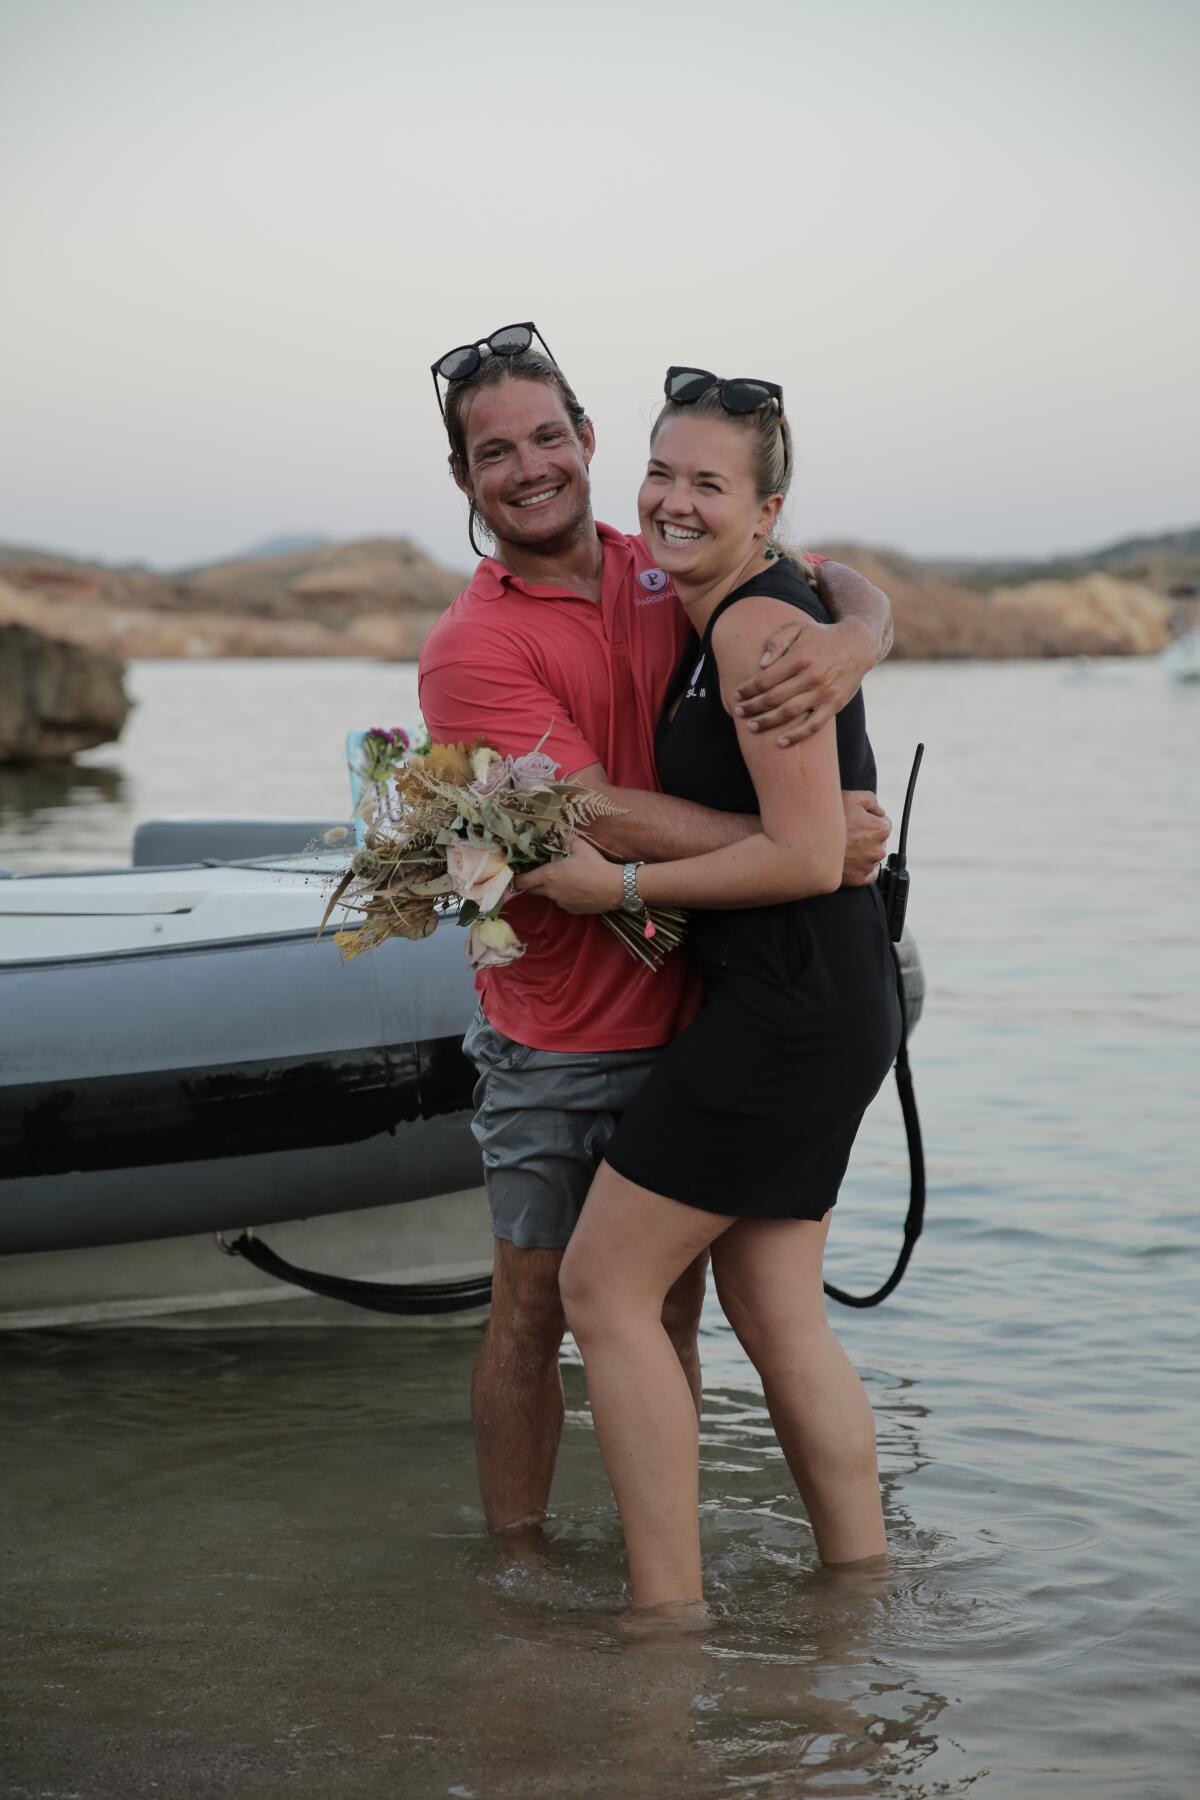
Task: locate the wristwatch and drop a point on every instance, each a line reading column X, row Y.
column 631, row 900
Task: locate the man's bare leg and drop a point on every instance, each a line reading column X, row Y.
column 516, row 1389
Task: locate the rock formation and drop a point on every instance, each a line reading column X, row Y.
column 55, row 697
column 1099, row 615
column 933, row 617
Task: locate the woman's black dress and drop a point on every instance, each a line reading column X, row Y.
column 752, row 1111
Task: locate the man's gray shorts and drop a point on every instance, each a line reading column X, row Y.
column 543, row 1119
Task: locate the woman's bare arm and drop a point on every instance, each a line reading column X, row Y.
column 799, row 846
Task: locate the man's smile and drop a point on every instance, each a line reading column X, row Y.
column 540, row 499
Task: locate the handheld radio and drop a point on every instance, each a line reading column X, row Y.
column 893, row 877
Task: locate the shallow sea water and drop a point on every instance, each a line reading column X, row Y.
column 254, row 1564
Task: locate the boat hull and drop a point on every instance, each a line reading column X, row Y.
column 181, row 1055
column 185, row 1283
column 163, row 1092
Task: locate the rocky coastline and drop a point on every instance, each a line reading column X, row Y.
column 1090, row 612
column 66, row 626
column 378, row 597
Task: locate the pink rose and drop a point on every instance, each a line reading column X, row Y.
column 534, row 772
column 478, row 874
column 493, row 944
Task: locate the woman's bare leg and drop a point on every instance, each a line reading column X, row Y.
column 768, row 1276
column 627, row 1251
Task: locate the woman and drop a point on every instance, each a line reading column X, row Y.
column 740, row 1138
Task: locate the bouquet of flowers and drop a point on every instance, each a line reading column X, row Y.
column 448, row 829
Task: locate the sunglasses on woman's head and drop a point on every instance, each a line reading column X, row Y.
column 509, row 340
column 740, row 395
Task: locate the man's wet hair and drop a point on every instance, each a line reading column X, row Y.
column 530, row 365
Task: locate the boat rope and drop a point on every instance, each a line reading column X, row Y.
column 412, row 1298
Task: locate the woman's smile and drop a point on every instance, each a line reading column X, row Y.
column 677, row 534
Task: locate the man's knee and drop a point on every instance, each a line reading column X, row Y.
column 527, row 1308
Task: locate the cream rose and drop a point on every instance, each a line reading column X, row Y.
column 482, row 760
column 478, row 874
column 492, row 944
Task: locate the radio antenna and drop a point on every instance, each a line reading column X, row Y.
column 902, row 847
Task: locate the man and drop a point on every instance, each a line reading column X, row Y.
column 570, row 635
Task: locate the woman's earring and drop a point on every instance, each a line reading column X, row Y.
column 770, row 554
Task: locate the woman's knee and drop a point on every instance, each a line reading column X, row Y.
column 685, row 1299
column 600, row 1300
column 736, row 1299
column 580, row 1293
column 767, row 1328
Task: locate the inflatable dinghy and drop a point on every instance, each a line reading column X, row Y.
column 180, row 1055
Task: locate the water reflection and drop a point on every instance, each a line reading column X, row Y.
column 40, row 790
column 307, row 1505
column 794, row 1687
column 64, row 815
column 786, row 1692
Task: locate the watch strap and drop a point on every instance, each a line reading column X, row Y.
column 631, row 901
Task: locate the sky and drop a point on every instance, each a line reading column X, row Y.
column 235, row 234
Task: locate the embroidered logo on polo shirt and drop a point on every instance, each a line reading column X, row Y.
column 655, row 585
column 653, row 580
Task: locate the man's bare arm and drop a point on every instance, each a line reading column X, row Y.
column 660, row 828
column 851, row 597
column 810, row 671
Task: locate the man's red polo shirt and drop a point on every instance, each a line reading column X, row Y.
column 511, row 662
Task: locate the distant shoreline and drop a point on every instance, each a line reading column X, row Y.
column 379, row 598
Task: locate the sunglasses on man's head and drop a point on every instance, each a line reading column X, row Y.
column 509, row 340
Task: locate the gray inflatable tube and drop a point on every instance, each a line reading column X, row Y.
column 161, row 1092
column 153, row 1093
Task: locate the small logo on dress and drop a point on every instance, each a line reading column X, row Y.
column 653, row 580
column 693, row 692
